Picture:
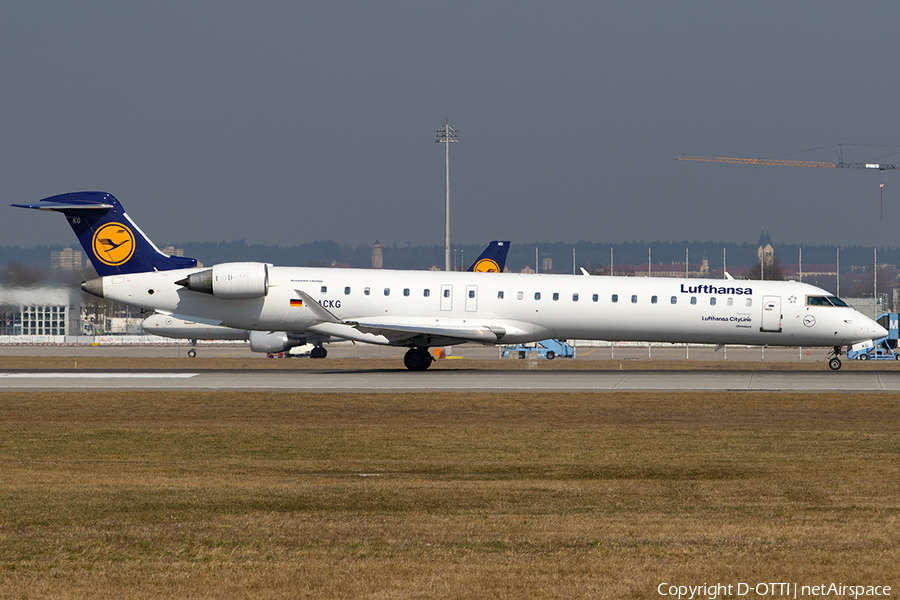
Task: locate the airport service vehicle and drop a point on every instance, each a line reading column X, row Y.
column 421, row 309
column 548, row 349
column 884, row 348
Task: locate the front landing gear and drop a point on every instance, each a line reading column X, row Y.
column 417, row 359
column 834, row 363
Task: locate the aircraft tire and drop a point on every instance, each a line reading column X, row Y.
column 192, row 353
column 318, row 352
column 834, row 364
column 417, row 359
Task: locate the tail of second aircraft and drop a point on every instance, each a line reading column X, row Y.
column 493, row 259
column 113, row 242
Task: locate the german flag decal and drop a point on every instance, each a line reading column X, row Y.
column 296, row 302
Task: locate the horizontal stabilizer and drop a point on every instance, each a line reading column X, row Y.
column 63, row 206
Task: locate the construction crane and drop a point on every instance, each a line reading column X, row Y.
column 791, row 163
column 801, row 163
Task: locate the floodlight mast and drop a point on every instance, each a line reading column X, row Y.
column 447, row 135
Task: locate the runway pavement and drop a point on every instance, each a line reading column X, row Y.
column 460, row 380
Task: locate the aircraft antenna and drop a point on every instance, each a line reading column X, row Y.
column 447, row 135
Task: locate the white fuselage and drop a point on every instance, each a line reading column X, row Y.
column 521, row 307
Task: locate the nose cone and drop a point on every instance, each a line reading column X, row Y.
column 878, row 331
column 94, row 287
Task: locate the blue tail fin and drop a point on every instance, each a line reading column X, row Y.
column 113, row 242
column 493, row 259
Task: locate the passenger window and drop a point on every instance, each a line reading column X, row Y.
column 730, row 302
column 406, row 291
column 387, row 291
column 500, row 295
column 749, row 301
column 595, row 297
column 674, row 299
column 615, row 297
column 471, row 293
column 712, row 301
column 446, row 293
column 366, row 291
column 555, row 296
column 574, row 297
column 693, row 299
column 520, row 295
column 324, row 289
column 634, row 299
column 653, row 299
column 347, row 291
column 426, row 292
column 537, row 295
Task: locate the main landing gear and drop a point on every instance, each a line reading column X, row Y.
column 318, row 352
column 417, row 359
column 834, row 362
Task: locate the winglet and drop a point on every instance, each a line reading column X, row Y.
column 322, row 314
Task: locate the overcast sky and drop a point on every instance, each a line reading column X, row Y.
column 284, row 122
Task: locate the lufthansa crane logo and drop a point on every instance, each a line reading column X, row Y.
column 113, row 244
column 486, row 265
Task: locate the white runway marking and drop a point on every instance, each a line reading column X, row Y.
column 98, row 375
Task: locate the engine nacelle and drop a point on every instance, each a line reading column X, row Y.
column 230, row 280
column 275, row 341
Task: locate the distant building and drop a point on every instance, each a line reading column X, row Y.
column 173, row 251
column 765, row 250
column 39, row 312
column 377, row 259
column 67, row 259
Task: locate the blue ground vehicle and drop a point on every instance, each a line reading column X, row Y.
column 884, row 348
column 549, row 349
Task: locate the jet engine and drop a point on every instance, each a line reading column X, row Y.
column 230, row 280
column 274, row 341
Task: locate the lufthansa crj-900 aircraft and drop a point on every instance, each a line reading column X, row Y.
column 420, row 309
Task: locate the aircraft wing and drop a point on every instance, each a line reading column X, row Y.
column 397, row 331
column 409, row 331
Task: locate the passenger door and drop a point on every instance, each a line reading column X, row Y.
column 771, row 314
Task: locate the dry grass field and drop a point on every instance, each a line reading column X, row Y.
column 284, row 495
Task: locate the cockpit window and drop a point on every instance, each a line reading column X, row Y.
column 817, row 301
column 824, row 301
